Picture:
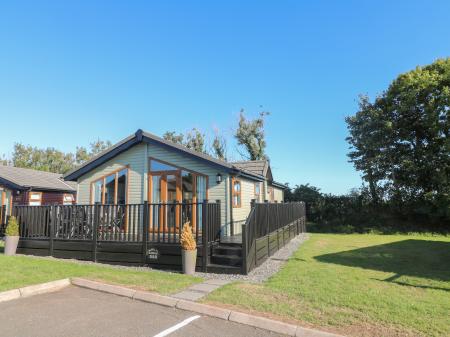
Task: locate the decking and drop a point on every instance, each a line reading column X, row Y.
column 149, row 234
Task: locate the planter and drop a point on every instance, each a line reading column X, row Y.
column 189, row 259
column 11, row 244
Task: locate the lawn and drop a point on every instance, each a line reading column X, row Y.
column 357, row 285
column 19, row 271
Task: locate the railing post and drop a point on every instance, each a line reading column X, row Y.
column 95, row 223
column 267, row 229
column 244, row 249
column 205, row 238
column 218, row 220
column 145, row 223
column 52, row 217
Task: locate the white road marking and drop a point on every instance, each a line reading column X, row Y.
column 177, row 326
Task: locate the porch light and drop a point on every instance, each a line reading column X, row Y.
column 218, row 178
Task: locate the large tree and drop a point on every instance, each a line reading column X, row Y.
column 401, row 141
column 250, row 134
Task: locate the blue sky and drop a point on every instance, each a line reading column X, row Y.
column 72, row 73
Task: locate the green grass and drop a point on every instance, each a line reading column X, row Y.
column 19, row 271
column 359, row 285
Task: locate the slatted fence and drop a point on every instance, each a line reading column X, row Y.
column 269, row 227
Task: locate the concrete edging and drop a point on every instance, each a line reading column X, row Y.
column 34, row 290
column 204, row 309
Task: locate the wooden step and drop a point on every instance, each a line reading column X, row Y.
column 223, row 269
column 228, row 260
column 227, row 250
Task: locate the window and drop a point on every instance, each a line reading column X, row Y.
column 257, row 191
column 35, row 198
column 68, row 199
column 110, row 189
column 157, row 166
column 271, row 194
column 122, row 187
column 236, row 193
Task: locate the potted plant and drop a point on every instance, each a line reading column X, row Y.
column 11, row 236
column 188, row 249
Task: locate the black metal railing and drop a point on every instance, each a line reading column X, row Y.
column 154, row 222
column 266, row 219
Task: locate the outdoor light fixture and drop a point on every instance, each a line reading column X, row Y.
column 218, row 178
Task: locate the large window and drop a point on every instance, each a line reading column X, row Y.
column 236, row 193
column 110, row 189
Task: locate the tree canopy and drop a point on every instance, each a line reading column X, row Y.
column 250, row 134
column 52, row 160
column 400, row 141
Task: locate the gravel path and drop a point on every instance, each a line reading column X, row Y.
column 271, row 266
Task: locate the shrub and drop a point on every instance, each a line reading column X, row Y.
column 13, row 227
column 187, row 239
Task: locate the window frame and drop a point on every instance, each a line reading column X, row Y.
column 271, row 193
column 34, row 200
column 103, row 180
column 257, row 195
column 68, row 202
column 179, row 171
column 234, row 193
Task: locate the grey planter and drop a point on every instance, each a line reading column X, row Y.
column 189, row 259
column 11, row 244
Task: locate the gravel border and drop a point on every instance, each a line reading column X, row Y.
column 258, row 275
column 271, row 266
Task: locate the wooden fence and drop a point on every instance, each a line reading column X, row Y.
column 133, row 234
column 269, row 227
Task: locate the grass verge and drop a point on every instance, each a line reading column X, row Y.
column 358, row 285
column 20, row 271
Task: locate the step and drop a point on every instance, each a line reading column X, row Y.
column 227, row 250
column 229, row 260
column 223, row 269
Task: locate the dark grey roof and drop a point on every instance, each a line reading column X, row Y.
column 22, row 178
column 141, row 136
column 258, row 167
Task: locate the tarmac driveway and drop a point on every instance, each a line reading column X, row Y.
column 81, row 312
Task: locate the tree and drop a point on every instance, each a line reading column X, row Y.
column 369, row 133
column 250, row 134
column 219, row 146
column 99, row 146
column 4, row 161
column 402, row 139
column 171, row 136
column 52, row 160
column 195, row 140
column 49, row 159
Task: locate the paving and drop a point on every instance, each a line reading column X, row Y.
column 200, row 290
column 75, row 311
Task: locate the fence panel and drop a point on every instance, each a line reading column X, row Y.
column 269, row 227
